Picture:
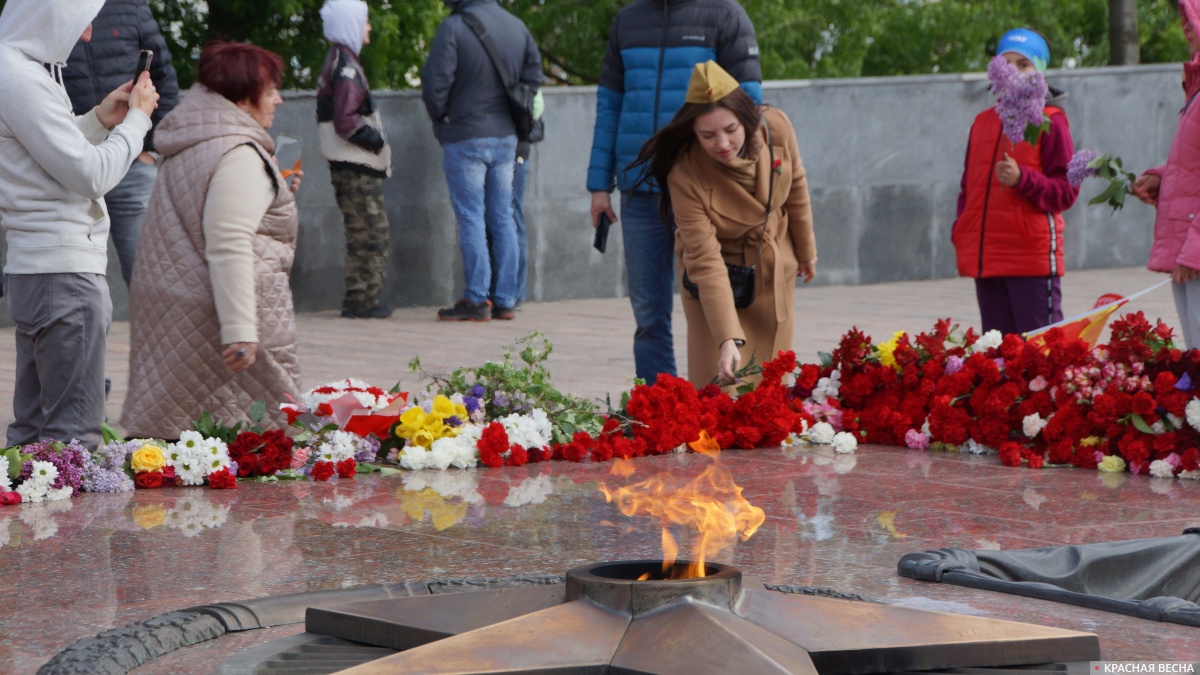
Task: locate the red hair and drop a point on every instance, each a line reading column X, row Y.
column 239, row 71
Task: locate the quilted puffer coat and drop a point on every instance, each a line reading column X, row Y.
column 1176, row 228
column 175, row 366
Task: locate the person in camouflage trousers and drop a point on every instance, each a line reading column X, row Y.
column 360, row 197
column 353, row 140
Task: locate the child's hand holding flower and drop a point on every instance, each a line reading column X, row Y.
column 1008, row 172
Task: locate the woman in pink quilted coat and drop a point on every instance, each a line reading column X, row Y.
column 1174, row 188
column 211, row 317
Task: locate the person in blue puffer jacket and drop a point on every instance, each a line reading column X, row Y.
column 653, row 45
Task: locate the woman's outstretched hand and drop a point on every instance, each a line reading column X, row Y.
column 808, row 270
column 731, row 361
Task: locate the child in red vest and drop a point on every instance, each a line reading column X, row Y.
column 1008, row 233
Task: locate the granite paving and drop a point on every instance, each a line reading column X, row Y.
column 72, row 569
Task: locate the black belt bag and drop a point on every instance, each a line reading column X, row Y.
column 741, row 277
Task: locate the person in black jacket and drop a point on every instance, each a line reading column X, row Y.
column 354, row 141
column 466, row 99
column 121, row 30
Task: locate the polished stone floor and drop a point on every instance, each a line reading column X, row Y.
column 71, row 569
column 75, row 568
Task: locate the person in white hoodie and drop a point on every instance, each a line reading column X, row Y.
column 54, row 171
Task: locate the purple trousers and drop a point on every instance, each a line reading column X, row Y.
column 1019, row 304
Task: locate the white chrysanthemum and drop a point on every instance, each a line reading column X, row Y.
column 44, row 474
column 31, row 492
column 191, row 471
column 1033, row 425
column 216, row 455
column 56, row 495
column 821, row 434
column 5, row 481
column 530, row 491
column 190, row 443
column 1193, row 413
column 1161, row 468
column 988, row 340
column 791, row 441
column 844, row 443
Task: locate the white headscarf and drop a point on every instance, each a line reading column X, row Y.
column 345, row 21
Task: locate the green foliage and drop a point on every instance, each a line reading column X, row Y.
column 211, row 427
column 1120, row 181
column 814, row 38
column 518, row 385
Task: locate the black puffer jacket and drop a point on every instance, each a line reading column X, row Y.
column 121, row 30
column 463, row 94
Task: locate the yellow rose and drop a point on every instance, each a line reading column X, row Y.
column 148, row 458
column 149, row 516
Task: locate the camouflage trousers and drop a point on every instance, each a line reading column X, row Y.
column 360, row 197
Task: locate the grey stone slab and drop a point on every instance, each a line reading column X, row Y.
column 895, row 240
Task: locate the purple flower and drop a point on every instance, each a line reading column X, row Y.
column 1078, row 170
column 500, row 400
column 99, row 479
column 1184, row 383
column 953, row 365
column 69, row 459
column 454, row 421
column 471, row 403
column 1022, row 99
column 367, row 449
column 1001, row 74
column 478, row 391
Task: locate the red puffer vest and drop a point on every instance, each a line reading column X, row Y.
column 1000, row 233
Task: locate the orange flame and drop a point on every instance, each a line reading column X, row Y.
column 710, row 504
column 622, row 468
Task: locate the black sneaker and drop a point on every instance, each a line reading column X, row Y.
column 502, row 313
column 465, row 310
column 376, row 312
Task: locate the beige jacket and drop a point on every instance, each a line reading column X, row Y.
column 719, row 222
column 175, row 366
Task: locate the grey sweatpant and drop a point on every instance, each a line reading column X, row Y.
column 62, row 321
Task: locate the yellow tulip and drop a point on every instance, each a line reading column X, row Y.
column 423, row 438
column 460, row 411
column 442, row 406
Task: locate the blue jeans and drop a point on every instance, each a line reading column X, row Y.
column 126, row 210
column 520, row 172
column 479, row 173
column 650, row 270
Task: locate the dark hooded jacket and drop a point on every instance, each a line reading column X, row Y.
column 121, row 30
column 463, row 93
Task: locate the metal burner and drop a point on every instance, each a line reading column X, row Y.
column 606, row 621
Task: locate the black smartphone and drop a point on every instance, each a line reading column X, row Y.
column 144, row 58
column 602, row 225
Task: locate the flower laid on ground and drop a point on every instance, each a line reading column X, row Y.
column 194, row 457
column 42, row 471
column 261, row 454
column 1091, row 164
column 1022, row 101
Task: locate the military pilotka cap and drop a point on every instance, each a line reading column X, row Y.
column 710, row 83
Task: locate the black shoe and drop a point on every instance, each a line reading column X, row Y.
column 107, row 387
column 502, row 313
column 465, row 310
column 376, row 312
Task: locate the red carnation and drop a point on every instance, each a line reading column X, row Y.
column 1010, row 453
column 322, row 471
column 148, row 480
column 517, row 456
column 222, row 480
column 492, row 444
column 347, row 468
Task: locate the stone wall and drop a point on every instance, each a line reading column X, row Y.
column 884, row 158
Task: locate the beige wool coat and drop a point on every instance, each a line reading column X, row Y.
column 175, row 366
column 718, row 221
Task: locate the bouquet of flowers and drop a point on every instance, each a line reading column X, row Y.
column 42, row 471
column 1022, row 101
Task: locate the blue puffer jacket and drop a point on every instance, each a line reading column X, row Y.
column 652, row 47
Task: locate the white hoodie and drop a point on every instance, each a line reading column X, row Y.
column 55, row 168
column 344, row 22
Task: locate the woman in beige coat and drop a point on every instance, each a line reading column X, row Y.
column 737, row 193
column 211, row 317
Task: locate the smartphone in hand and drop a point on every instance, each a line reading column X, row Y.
column 143, row 64
column 602, row 225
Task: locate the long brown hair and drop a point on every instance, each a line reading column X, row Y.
column 665, row 148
